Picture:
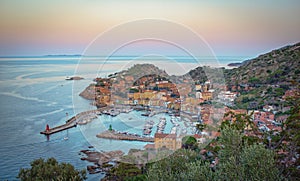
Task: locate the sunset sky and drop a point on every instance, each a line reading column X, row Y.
column 231, row 28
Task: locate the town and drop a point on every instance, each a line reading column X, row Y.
column 205, row 103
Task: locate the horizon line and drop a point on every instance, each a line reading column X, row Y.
column 94, row 56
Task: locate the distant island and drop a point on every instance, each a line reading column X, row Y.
column 63, row 55
column 234, row 64
column 74, row 78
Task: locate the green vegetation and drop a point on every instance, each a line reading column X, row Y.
column 133, row 90
column 124, row 171
column 289, row 140
column 172, row 167
column 189, row 142
column 254, row 80
column 237, row 161
column 276, row 68
column 51, row 170
column 260, row 96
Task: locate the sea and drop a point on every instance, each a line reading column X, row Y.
column 34, row 92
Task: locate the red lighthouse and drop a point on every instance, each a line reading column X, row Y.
column 47, row 128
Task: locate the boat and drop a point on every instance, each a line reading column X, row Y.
column 145, row 114
column 67, row 136
column 147, row 131
column 69, row 78
column 174, row 130
column 148, row 126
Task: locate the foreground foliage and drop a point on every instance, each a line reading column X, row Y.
column 51, row 170
column 236, row 161
column 289, row 139
column 124, row 171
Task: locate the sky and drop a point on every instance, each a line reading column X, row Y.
column 230, row 28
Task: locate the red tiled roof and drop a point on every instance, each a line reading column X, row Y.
column 163, row 135
column 197, row 136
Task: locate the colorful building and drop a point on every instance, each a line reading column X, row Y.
column 169, row 141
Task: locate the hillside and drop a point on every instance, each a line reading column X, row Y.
column 276, row 67
column 139, row 70
column 268, row 77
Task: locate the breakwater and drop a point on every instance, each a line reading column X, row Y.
column 123, row 136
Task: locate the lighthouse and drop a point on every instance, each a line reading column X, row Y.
column 47, row 128
column 110, row 128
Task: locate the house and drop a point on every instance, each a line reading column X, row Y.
column 227, row 96
column 200, row 139
column 207, row 95
column 198, row 87
column 169, row 141
column 289, row 93
column 129, row 78
column 268, row 108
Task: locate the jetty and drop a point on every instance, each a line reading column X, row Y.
column 79, row 119
column 82, row 118
column 112, row 134
column 69, row 124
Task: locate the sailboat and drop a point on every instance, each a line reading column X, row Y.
column 67, row 136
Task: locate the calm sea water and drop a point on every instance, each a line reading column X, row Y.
column 33, row 93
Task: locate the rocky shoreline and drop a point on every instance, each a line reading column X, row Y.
column 101, row 160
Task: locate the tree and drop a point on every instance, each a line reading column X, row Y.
column 231, row 141
column 172, row 167
column 198, row 170
column 200, row 127
column 241, row 122
column 236, row 161
column 51, row 170
column 241, row 161
column 189, row 142
column 259, row 163
column 289, row 141
column 124, row 171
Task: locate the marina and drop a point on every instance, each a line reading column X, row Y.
column 129, row 124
